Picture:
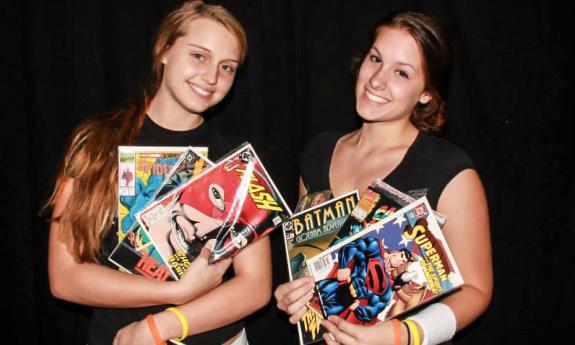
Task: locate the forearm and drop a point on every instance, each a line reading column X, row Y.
column 467, row 304
column 231, row 301
column 96, row 285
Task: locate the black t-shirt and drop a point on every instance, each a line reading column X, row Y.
column 107, row 321
column 427, row 167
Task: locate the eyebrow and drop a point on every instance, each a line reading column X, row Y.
column 399, row 63
column 207, row 50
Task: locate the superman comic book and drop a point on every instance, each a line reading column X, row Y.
column 389, row 268
column 234, row 202
column 135, row 252
column 377, row 202
column 306, row 234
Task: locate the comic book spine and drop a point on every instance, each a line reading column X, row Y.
column 388, row 269
column 306, row 234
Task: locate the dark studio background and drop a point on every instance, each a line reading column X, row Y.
column 510, row 108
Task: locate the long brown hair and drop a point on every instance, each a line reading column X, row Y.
column 91, row 152
column 434, row 46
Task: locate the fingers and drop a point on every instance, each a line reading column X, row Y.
column 298, row 315
column 329, row 339
column 291, row 297
column 339, row 335
column 344, row 326
column 286, row 288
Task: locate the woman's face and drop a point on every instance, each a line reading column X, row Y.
column 199, row 68
column 391, row 79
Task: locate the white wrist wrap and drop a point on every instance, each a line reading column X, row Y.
column 437, row 322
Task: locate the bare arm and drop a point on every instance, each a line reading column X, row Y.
column 464, row 203
column 236, row 298
column 97, row 285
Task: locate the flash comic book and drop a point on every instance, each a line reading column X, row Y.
column 377, row 202
column 234, row 202
column 388, row 269
column 312, row 199
column 306, row 234
column 136, row 253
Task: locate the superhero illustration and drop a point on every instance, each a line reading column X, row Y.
column 362, row 284
column 390, row 267
column 233, row 202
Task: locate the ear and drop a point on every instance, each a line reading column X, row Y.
column 165, row 55
column 425, row 97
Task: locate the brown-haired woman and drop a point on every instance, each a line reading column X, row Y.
column 400, row 96
column 197, row 51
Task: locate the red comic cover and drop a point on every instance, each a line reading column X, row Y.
column 388, row 269
column 234, row 202
column 136, row 253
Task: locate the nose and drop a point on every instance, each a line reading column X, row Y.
column 210, row 74
column 378, row 79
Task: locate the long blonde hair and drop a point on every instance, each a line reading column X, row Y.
column 91, row 152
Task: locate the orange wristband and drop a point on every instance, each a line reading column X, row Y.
column 396, row 327
column 154, row 330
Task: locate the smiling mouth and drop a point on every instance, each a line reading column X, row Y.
column 201, row 91
column 375, row 98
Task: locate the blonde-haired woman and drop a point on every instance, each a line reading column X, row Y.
column 197, row 52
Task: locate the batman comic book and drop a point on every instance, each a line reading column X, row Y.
column 306, row 234
column 377, row 202
column 234, row 202
column 388, row 269
column 135, row 252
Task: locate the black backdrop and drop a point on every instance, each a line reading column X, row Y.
column 509, row 108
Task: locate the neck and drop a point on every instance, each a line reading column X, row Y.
column 382, row 135
column 170, row 116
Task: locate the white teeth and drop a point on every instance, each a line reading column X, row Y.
column 374, row 98
column 200, row 90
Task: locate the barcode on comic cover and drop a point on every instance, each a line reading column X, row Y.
column 323, row 263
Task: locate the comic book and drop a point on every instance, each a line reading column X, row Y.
column 387, row 269
column 312, row 199
column 306, row 234
column 135, row 253
column 377, row 202
column 234, row 202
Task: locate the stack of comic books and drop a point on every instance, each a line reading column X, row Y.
column 307, row 233
column 147, row 173
column 390, row 267
column 233, row 201
column 378, row 205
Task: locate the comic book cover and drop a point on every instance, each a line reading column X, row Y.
column 377, row 202
column 388, row 269
column 312, row 199
column 136, row 253
column 234, row 202
column 306, row 234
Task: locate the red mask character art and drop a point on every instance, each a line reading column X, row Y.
column 219, row 205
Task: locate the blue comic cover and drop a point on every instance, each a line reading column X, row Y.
column 158, row 170
column 389, row 268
